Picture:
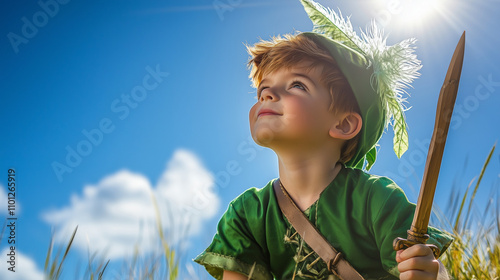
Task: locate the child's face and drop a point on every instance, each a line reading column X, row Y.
column 292, row 109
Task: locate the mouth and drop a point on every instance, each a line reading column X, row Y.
column 267, row 112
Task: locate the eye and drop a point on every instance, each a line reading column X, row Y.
column 299, row 85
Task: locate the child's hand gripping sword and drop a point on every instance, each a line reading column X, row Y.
column 417, row 234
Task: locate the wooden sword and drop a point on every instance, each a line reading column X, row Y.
column 417, row 234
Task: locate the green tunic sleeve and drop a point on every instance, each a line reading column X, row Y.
column 234, row 246
column 392, row 215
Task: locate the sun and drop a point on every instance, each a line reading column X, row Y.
column 413, row 11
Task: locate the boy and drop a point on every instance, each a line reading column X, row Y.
column 323, row 102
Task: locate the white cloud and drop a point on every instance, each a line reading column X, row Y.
column 114, row 215
column 25, row 268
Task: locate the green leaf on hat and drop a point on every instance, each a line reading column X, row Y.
column 400, row 140
column 332, row 25
column 371, row 157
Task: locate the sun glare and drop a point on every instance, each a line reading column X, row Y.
column 413, row 11
column 409, row 14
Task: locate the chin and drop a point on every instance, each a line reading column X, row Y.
column 266, row 131
column 264, row 137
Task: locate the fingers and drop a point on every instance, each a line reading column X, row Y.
column 417, row 262
column 418, row 250
column 420, row 275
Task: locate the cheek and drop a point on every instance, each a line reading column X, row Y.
column 306, row 115
column 251, row 114
column 299, row 110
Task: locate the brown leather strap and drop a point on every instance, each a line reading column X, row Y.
column 336, row 263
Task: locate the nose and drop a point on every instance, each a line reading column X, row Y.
column 268, row 94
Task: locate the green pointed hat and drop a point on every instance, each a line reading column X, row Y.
column 378, row 75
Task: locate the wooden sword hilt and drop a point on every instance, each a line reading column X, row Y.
column 414, row 238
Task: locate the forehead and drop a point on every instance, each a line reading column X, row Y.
column 307, row 69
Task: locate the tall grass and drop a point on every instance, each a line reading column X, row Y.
column 475, row 253
column 54, row 263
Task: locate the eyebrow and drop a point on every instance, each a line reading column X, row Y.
column 295, row 74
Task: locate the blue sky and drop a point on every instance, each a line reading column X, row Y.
column 105, row 103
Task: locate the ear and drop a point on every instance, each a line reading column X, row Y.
column 346, row 126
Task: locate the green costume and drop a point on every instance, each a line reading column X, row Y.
column 358, row 213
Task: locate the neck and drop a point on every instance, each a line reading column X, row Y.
column 306, row 176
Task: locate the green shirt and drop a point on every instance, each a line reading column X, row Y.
column 358, row 213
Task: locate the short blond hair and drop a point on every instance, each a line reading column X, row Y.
column 290, row 50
